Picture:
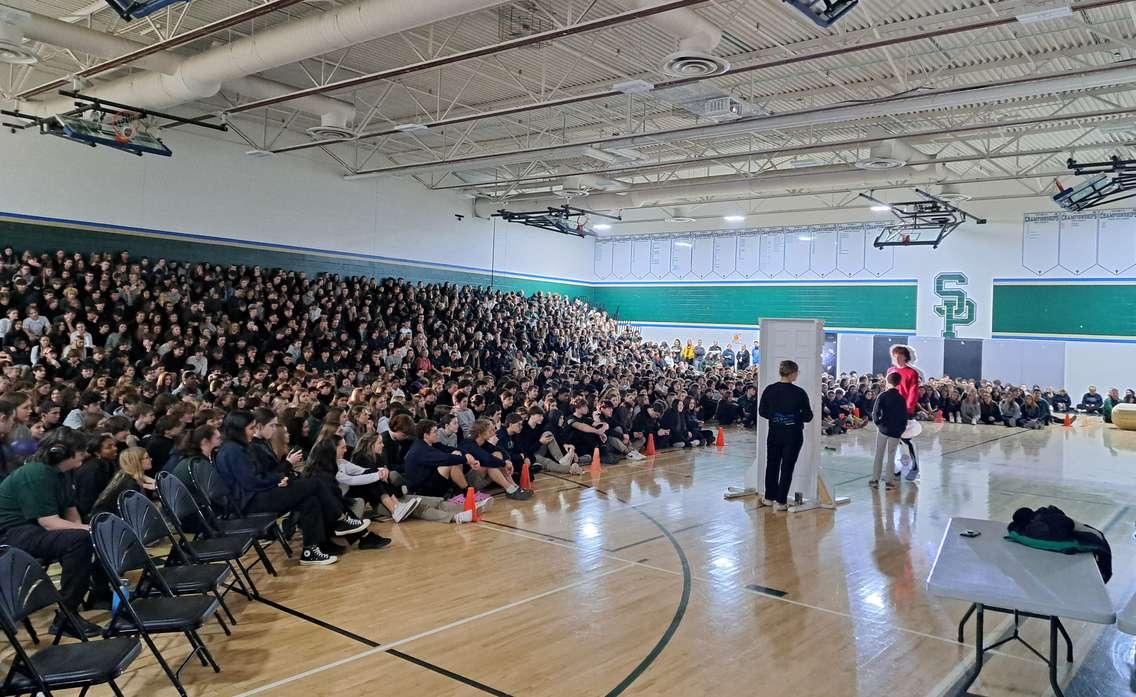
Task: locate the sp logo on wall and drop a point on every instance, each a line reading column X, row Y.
column 955, row 307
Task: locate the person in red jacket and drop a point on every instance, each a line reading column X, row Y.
column 902, row 358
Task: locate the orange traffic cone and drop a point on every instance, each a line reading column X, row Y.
column 721, row 442
column 1068, row 420
column 597, row 466
column 471, row 503
column 856, row 412
column 939, row 416
column 526, row 478
column 650, row 445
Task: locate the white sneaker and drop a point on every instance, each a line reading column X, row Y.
column 568, row 459
column 463, row 517
column 635, row 455
column 696, row 443
column 405, row 508
column 781, row 507
column 484, row 504
column 767, row 502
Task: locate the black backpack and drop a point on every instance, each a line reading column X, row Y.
column 1050, row 529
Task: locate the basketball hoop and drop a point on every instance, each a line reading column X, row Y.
column 126, row 126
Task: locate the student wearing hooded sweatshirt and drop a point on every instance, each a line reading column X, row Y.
column 674, row 420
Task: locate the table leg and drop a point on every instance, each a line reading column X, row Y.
column 1068, row 641
column 979, row 648
column 962, row 624
column 1053, row 624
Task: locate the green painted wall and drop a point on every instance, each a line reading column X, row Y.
column 850, row 306
column 48, row 237
column 1084, row 309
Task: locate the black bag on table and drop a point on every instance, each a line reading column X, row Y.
column 1050, row 529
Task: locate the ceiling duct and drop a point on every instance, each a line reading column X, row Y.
column 201, row 75
column 75, row 37
column 12, row 48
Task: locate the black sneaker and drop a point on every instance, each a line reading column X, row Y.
column 520, row 494
column 312, row 556
column 349, row 525
column 84, row 628
column 373, row 541
column 331, row 549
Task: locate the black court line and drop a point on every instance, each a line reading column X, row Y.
column 766, row 590
column 984, row 442
column 370, row 643
column 448, row 673
column 680, row 611
column 652, row 539
column 532, row 532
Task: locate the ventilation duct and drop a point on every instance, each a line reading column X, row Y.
column 12, row 48
column 78, row 38
column 201, row 75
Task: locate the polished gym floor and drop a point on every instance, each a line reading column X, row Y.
column 647, row 582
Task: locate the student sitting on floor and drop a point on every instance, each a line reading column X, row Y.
column 728, row 411
column 540, row 445
column 1010, row 411
column 495, row 468
column 1110, row 401
column 1061, row 401
column 367, row 455
column 256, row 491
column 586, row 435
column 970, row 411
column 646, row 423
column 674, row 419
column 952, row 407
column 989, row 413
column 327, row 464
column 1091, row 401
column 694, row 425
column 1033, row 415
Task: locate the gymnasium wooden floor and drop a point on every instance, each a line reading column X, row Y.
column 646, row 582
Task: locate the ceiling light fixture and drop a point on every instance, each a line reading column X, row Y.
column 733, row 218
column 879, row 208
column 601, row 227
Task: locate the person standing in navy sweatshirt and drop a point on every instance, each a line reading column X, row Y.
column 787, row 409
column 890, row 416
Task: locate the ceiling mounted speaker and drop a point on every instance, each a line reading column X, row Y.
column 693, row 64
column 332, row 126
column 12, row 48
column 951, row 192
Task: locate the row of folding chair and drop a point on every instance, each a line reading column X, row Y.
column 207, row 544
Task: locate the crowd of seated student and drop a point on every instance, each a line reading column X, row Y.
column 968, row 401
column 316, row 397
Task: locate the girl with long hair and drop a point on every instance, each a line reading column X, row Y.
column 133, row 464
column 328, row 465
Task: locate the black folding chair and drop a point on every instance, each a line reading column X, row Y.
column 215, row 502
column 182, row 577
column 120, row 551
column 184, row 514
column 24, row 589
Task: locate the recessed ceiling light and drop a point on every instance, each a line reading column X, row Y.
column 601, row 226
column 679, row 219
column 733, row 218
column 411, row 127
column 881, row 207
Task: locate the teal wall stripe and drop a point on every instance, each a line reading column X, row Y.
column 889, row 307
column 1068, row 309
